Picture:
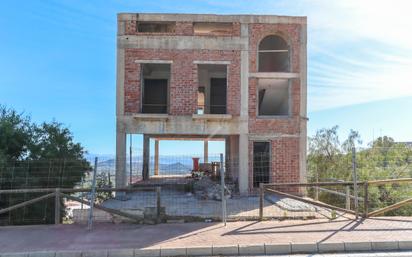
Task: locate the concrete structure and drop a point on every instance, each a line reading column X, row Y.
column 237, row 78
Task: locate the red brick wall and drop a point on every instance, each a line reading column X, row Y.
column 184, row 79
column 284, row 125
column 290, row 32
column 284, row 150
column 284, row 162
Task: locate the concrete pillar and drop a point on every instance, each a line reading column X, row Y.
column 205, row 151
column 156, row 157
column 146, row 157
column 243, row 163
column 234, row 156
column 228, row 169
column 244, row 113
column 120, row 159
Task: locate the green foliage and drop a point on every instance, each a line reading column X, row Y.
column 329, row 160
column 103, row 181
column 36, row 156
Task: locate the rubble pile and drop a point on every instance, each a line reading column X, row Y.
column 207, row 189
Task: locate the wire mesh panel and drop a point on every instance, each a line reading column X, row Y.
column 189, row 188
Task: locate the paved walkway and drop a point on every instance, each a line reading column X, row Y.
column 181, row 204
column 126, row 236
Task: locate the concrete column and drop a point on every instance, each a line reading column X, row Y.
column 206, row 151
column 120, row 159
column 243, row 157
column 156, row 157
column 146, row 157
column 243, row 163
column 234, row 156
column 303, row 104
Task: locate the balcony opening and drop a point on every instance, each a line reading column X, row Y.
column 261, row 163
column 155, row 79
column 214, row 28
column 156, row 27
column 274, row 97
column 212, row 89
column 273, row 55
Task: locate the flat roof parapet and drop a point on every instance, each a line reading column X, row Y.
column 242, row 18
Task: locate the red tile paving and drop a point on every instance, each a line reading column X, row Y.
column 112, row 236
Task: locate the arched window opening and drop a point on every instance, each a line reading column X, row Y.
column 273, row 54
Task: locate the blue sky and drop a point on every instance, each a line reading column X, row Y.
column 57, row 61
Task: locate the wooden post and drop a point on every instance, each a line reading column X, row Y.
column 317, row 188
column 57, row 206
column 158, row 204
column 347, row 205
column 93, row 193
column 366, row 199
column 355, row 182
column 261, row 198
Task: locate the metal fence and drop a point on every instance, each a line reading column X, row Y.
column 359, row 183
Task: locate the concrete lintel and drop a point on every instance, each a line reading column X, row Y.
column 274, row 75
column 186, row 138
column 212, row 62
column 155, row 61
column 272, row 135
column 182, row 42
column 150, row 116
column 211, row 18
column 212, row 117
column 178, row 125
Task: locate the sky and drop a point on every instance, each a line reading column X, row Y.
column 57, row 61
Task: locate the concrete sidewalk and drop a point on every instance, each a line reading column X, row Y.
column 237, row 238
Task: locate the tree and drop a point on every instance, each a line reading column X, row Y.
column 15, row 134
column 384, row 159
column 41, row 156
column 353, row 139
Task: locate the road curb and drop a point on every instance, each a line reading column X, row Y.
column 230, row 250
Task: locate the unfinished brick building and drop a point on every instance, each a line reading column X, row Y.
column 237, row 78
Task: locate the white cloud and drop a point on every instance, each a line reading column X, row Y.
column 359, row 50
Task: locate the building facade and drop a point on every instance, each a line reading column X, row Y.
column 237, row 78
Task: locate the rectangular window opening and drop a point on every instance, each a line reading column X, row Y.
column 155, row 79
column 215, row 28
column 156, row 27
column 261, row 163
column 273, row 97
column 212, row 89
